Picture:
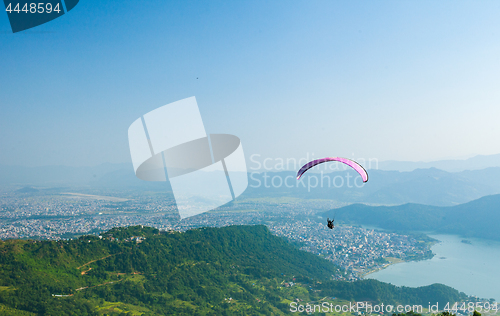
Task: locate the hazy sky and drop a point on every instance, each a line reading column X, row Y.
column 392, row 80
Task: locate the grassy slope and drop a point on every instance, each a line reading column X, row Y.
column 168, row 273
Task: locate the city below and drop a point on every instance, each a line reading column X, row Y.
column 357, row 251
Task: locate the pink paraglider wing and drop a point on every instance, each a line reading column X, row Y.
column 362, row 172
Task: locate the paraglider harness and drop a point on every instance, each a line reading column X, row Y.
column 330, row 223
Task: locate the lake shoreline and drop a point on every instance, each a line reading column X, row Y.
column 453, row 264
column 392, row 261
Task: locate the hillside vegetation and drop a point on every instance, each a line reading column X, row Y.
column 236, row 270
column 478, row 218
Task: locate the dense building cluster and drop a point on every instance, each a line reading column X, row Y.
column 355, row 250
column 59, row 216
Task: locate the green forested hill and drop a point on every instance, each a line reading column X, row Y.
column 478, row 218
column 236, row 270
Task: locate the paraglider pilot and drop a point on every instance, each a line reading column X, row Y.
column 330, row 223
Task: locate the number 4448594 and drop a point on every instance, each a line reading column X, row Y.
column 33, row 8
column 471, row 307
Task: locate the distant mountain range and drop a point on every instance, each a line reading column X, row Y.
column 429, row 186
column 425, row 186
column 56, row 175
column 106, row 175
column 451, row 165
column 68, row 174
column 479, row 218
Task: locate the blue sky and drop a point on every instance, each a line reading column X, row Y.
column 392, row 80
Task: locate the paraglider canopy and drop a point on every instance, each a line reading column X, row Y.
column 362, row 172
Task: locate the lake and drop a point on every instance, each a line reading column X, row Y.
column 470, row 268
